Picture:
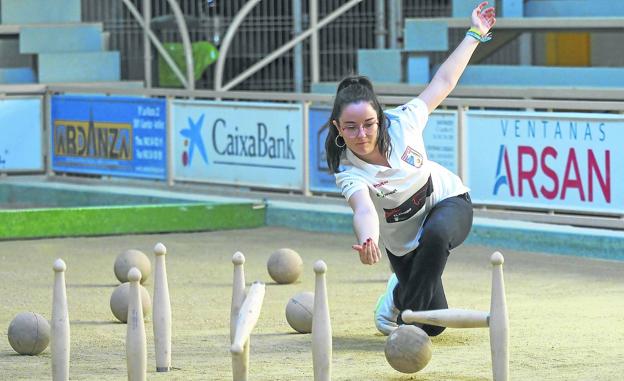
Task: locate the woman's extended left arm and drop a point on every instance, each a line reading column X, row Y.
column 445, row 79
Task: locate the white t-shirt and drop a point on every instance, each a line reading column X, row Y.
column 404, row 194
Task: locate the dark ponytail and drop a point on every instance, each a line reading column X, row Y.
column 351, row 90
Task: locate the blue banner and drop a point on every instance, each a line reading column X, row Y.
column 320, row 178
column 242, row 143
column 21, row 137
column 567, row 161
column 440, row 135
column 116, row 136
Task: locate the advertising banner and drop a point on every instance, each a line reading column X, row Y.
column 567, row 161
column 441, row 139
column 21, row 145
column 241, row 143
column 116, row 136
column 441, row 142
column 320, row 178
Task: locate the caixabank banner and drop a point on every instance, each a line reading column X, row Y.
column 566, row 161
column 21, row 146
column 115, row 136
column 238, row 143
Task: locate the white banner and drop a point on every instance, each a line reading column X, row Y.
column 242, row 143
column 567, row 161
column 21, row 146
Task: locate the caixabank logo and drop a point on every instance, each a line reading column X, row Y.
column 242, row 143
column 579, row 172
column 227, row 142
column 193, row 140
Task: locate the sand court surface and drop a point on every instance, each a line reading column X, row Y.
column 566, row 313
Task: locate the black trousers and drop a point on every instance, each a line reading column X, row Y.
column 420, row 271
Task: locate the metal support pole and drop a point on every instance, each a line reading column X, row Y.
column 393, row 24
column 306, row 149
column 298, row 56
column 314, row 43
column 462, row 138
column 46, row 115
column 169, row 141
column 526, row 49
column 400, row 24
column 147, row 47
column 380, row 24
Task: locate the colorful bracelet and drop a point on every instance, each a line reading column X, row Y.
column 474, row 33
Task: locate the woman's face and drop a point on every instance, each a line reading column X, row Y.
column 359, row 127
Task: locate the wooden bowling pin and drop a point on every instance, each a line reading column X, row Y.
column 499, row 321
column 136, row 345
column 60, row 344
column 240, row 361
column 321, row 327
column 161, row 311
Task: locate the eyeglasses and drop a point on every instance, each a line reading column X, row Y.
column 353, row 130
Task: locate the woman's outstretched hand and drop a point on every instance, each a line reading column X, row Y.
column 483, row 20
column 369, row 252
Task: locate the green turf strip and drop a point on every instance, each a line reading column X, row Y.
column 92, row 221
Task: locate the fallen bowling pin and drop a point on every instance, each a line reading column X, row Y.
column 248, row 316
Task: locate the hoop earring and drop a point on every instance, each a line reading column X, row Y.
column 336, row 142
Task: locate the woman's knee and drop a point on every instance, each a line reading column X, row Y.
column 435, row 238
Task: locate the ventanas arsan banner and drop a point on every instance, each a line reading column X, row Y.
column 569, row 161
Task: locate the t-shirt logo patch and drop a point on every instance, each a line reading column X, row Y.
column 412, row 157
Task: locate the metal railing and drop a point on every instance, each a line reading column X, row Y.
column 269, row 26
column 463, row 99
column 273, row 23
column 312, row 31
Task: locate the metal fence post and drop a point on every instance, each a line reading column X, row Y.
column 314, row 43
column 169, row 140
column 306, row 148
column 147, row 47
